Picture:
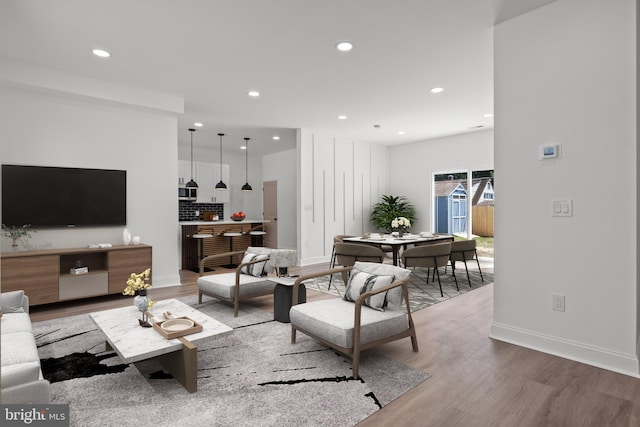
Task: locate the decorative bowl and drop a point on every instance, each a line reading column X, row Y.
column 177, row 324
column 237, row 218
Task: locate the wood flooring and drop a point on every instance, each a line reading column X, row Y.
column 475, row 381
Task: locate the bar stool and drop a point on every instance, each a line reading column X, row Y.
column 200, row 236
column 257, row 234
column 231, row 234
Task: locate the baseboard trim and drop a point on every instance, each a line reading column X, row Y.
column 627, row 364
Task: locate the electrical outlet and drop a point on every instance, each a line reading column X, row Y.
column 557, row 302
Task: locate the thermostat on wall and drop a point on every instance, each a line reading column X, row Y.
column 550, row 151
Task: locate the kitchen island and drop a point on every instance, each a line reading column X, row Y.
column 216, row 244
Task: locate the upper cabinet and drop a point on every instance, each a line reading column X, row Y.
column 184, row 171
column 221, row 196
column 204, row 178
column 206, row 175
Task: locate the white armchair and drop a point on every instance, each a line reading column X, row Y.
column 370, row 314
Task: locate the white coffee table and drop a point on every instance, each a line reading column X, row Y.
column 134, row 343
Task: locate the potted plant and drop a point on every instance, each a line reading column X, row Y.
column 388, row 209
column 16, row 232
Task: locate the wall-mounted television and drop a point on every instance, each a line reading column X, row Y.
column 63, row 197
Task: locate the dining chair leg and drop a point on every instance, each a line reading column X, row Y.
column 439, row 284
column 464, row 259
column 453, row 272
column 332, row 264
column 478, row 262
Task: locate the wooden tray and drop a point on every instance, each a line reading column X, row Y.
column 197, row 327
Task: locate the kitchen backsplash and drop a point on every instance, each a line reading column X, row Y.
column 187, row 210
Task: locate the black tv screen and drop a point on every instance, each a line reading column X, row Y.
column 63, row 197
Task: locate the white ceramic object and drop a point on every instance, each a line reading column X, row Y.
column 126, row 236
column 135, row 240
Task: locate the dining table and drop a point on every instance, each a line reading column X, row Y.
column 397, row 242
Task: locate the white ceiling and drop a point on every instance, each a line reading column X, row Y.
column 211, row 52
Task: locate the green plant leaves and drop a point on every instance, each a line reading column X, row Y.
column 390, row 207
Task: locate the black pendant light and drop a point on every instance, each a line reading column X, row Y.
column 192, row 183
column 246, row 186
column 221, row 185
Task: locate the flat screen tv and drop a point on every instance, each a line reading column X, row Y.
column 63, row 197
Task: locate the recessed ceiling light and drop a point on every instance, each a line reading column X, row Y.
column 344, row 46
column 488, row 115
column 101, row 53
column 276, row 137
column 376, row 126
column 342, row 117
column 437, row 90
column 243, row 147
column 253, row 93
column 401, row 132
column 198, row 124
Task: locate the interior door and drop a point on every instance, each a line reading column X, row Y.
column 270, row 212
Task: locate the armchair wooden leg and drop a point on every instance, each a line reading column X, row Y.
column 236, row 304
column 355, row 365
column 414, row 342
column 293, row 335
column 199, row 297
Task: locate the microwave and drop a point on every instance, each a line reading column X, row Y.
column 188, row 193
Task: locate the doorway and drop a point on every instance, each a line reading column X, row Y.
column 270, row 213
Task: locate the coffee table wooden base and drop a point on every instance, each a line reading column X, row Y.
column 181, row 364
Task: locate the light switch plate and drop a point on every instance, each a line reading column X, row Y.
column 562, row 208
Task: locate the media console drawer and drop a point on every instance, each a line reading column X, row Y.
column 83, row 285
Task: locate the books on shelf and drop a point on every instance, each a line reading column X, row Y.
column 79, row 270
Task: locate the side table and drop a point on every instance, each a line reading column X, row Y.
column 283, row 297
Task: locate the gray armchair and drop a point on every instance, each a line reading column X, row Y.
column 247, row 281
column 351, row 327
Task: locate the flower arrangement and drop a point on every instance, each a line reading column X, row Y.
column 137, row 283
column 16, row 232
column 401, row 224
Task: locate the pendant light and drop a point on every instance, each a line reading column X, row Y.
column 246, row 186
column 221, row 185
column 192, row 183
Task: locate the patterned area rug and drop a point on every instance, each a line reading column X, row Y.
column 254, row 376
column 421, row 293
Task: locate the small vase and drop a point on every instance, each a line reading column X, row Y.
column 141, row 301
column 14, row 247
column 126, row 236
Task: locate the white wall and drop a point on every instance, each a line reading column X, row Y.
column 281, row 167
column 339, row 179
column 49, row 128
column 566, row 74
column 412, row 167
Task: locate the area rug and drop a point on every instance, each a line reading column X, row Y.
column 421, row 293
column 253, row 376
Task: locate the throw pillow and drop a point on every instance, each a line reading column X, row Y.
column 361, row 282
column 11, row 302
column 256, row 269
column 260, row 250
